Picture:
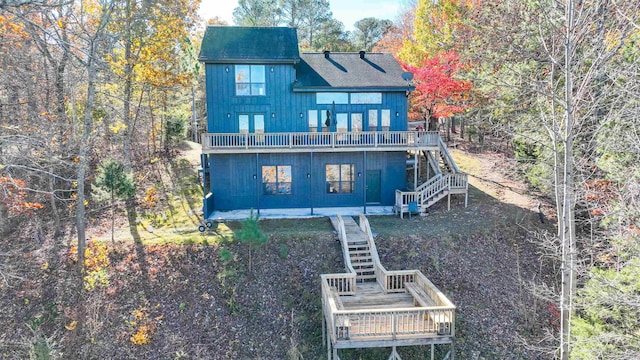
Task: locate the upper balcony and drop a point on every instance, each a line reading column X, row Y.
column 320, row 142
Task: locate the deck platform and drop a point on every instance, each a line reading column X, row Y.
column 369, row 306
column 370, row 295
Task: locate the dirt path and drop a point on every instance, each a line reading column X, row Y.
column 191, row 151
column 494, row 175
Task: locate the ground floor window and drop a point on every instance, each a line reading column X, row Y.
column 339, row 178
column 276, row 180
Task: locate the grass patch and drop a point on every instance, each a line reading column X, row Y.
column 174, row 219
column 466, row 163
column 297, row 228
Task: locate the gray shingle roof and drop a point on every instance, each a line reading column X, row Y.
column 237, row 44
column 349, row 71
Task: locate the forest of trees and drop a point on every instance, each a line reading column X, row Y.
column 558, row 81
column 317, row 29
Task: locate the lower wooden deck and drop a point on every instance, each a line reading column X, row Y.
column 395, row 308
column 369, row 295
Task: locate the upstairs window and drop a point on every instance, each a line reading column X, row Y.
column 386, row 119
column 373, row 120
column 313, row 120
column 250, row 80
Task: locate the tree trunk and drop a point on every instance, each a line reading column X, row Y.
column 54, row 208
column 194, row 117
column 448, row 125
column 568, row 240
column 128, row 84
column 83, row 162
column 433, row 123
column 113, row 217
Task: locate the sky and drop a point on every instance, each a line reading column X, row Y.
column 347, row 11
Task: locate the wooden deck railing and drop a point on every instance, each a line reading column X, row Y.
column 433, row 163
column 385, row 324
column 389, row 324
column 447, row 156
column 392, row 324
column 390, row 281
column 458, row 181
column 431, row 189
column 313, row 140
column 345, row 284
column 429, row 182
column 342, row 236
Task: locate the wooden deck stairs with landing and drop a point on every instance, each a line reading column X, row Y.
column 447, row 180
column 369, row 306
column 359, row 250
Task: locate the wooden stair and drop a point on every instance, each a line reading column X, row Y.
column 359, row 251
column 427, row 204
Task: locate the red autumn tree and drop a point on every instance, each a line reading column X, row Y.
column 438, row 92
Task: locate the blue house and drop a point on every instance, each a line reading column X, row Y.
column 311, row 130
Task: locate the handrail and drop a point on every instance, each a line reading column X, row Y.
column 342, row 235
column 389, row 281
column 434, row 189
column 293, row 140
column 329, row 307
column 432, row 290
column 433, row 163
column 447, row 155
column 380, row 271
column 344, row 283
column 432, row 321
column 429, row 182
column 459, row 181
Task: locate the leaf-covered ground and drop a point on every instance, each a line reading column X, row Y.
column 156, row 296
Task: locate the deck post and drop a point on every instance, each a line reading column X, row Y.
column 433, row 351
column 394, row 354
column 466, row 197
column 364, row 186
column 324, row 325
column 328, row 345
column 429, row 166
column 453, row 350
column 449, row 201
column 416, row 166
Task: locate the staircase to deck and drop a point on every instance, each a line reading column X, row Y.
column 356, row 248
column 442, row 184
column 376, row 307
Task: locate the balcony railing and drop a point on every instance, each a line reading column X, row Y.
column 329, row 141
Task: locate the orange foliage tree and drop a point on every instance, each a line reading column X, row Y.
column 13, row 197
column 438, row 92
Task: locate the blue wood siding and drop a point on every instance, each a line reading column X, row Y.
column 233, row 185
column 300, row 167
column 280, row 106
column 232, row 182
column 393, row 169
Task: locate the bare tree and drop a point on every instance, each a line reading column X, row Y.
column 561, row 70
